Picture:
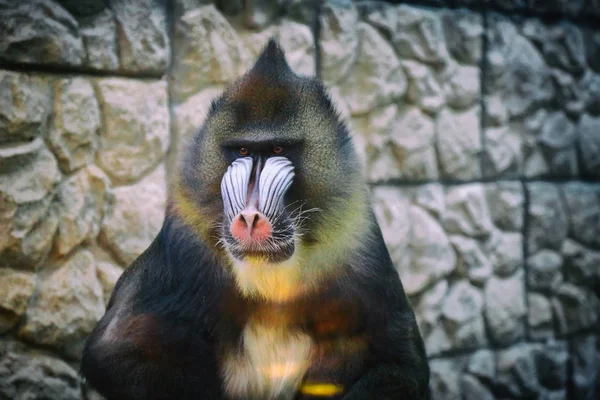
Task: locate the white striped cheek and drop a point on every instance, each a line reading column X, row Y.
column 234, row 186
column 275, row 179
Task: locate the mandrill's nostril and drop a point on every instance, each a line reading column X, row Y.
column 250, row 225
column 250, row 218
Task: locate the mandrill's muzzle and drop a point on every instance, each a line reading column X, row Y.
column 253, row 194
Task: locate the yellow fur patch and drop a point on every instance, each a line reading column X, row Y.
column 274, row 282
column 189, row 211
column 270, row 364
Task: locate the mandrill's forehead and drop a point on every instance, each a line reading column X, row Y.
column 268, row 98
column 260, row 107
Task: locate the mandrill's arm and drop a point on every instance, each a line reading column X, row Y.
column 154, row 341
column 398, row 367
column 389, row 382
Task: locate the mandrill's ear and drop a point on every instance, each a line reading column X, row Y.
column 271, row 62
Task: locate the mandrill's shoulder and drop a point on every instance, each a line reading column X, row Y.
column 177, row 267
column 373, row 274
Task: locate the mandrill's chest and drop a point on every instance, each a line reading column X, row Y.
column 283, row 354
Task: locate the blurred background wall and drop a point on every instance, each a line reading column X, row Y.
column 479, row 129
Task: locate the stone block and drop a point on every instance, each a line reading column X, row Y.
column 537, row 90
column 517, row 371
column 29, row 176
column 25, row 103
column 539, row 317
column 39, row 32
column 445, row 378
column 16, row 288
column 339, row 41
column 85, row 34
column 398, row 143
column 585, row 359
column 377, row 78
column 410, row 66
column 142, row 35
column 75, row 124
column 457, row 264
column 99, row 35
column 81, row 203
column 419, row 248
column 548, row 220
column 29, row 374
column 463, row 31
column 135, row 137
column 206, row 51
column 562, row 259
column 575, row 309
column 505, row 308
column 134, row 216
column 67, row 307
column 473, row 389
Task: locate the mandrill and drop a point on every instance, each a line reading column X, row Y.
column 270, row 278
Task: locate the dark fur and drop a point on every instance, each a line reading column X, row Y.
column 178, row 302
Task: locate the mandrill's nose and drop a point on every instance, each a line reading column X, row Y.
column 250, row 225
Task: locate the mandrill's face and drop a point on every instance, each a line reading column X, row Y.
column 272, row 174
column 258, row 224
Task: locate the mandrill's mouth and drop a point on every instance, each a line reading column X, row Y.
column 274, row 248
column 281, row 253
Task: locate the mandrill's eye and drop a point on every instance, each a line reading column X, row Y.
column 242, row 151
column 277, row 149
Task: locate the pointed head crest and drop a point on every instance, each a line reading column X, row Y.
column 269, row 92
column 271, row 61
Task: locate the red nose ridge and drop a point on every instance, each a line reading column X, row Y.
column 250, row 225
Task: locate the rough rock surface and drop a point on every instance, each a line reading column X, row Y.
column 80, row 204
column 99, row 35
column 459, row 144
column 539, row 318
column 574, row 308
column 25, row 103
column 545, row 271
column 136, row 135
column 75, row 123
column 548, row 225
column 505, row 308
column 464, row 33
column 445, row 378
column 16, row 288
column 39, row 31
column 339, row 41
column 585, row 356
column 384, row 80
column 417, row 247
column 29, row 374
column 29, row 175
column 142, row 35
column 134, row 216
column 206, row 51
column 67, row 306
column 589, row 142
column 516, row 368
column 398, row 143
column 108, row 273
column 457, row 261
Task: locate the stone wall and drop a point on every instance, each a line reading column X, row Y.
column 478, row 127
